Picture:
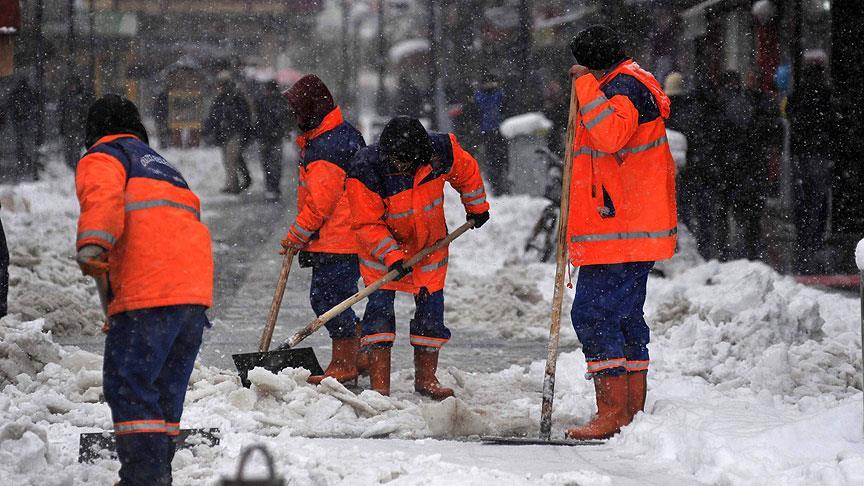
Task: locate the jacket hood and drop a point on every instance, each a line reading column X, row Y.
column 310, row 100
column 629, row 67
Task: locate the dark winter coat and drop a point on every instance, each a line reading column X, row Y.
column 229, row 117
column 812, row 118
column 22, row 102
column 490, row 105
column 271, row 117
column 73, row 113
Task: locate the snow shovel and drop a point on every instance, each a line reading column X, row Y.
column 276, row 361
column 555, row 326
column 287, row 356
column 101, row 445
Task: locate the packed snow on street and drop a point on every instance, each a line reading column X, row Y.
column 755, row 379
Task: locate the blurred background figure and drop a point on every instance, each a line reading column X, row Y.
column 22, row 103
column 229, row 125
column 490, row 99
column 4, row 271
column 271, row 127
column 73, row 107
column 555, row 108
column 684, row 118
column 811, row 119
column 160, row 117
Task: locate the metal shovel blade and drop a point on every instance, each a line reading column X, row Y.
column 276, row 361
column 101, row 445
column 536, row 441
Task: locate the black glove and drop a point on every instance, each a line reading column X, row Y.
column 399, row 266
column 479, row 219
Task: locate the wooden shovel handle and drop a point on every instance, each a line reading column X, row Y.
column 267, row 335
column 561, row 267
column 340, row 308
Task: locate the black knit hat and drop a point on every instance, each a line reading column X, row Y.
column 597, row 47
column 112, row 115
column 405, row 138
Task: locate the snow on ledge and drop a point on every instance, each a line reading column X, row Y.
column 533, row 123
column 8, row 31
column 859, row 255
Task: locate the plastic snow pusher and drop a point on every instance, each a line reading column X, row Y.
column 287, row 356
column 95, row 445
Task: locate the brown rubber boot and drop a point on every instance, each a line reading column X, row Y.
column 637, row 384
column 612, row 410
column 379, row 370
column 343, row 363
column 425, row 381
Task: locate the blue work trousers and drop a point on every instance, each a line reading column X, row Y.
column 332, row 283
column 427, row 328
column 608, row 318
column 149, row 355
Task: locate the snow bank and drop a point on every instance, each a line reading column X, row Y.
column 533, row 123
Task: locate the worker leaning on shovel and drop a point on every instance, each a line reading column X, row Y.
column 396, row 191
column 322, row 229
column 140, row 229
column 622, row 219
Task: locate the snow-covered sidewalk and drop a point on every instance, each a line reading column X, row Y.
column 755, row 379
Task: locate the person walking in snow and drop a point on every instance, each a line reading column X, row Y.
column 396, row 193
column 140, row 229
column 229, row 125
column 322, row 230
column 622, row 219
column 271, row 126
column 490, row 99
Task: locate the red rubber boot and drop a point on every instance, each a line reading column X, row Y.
column 612, row 410
column 343, row 363
column 425, row 381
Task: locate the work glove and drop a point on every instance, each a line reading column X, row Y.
column 400, row 267
column 93, row 260
column 291, row 243
column 479, row 219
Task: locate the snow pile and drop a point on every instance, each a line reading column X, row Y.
column 44, row 282
column 533, row 123
column 741, row 324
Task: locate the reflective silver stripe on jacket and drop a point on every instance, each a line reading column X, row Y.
column 102, row 235
column 434, row 266
column 401, row 215
column 303, row 231
column 373, row 265
column 476, row 202
column 381, row 245
column 632, row 235
column 155, row 203
column 469, row 195
column 600, row 117
column 589, row 151
column 433, row 204
column 641, row 148
column 594, row 104
column 392, row 246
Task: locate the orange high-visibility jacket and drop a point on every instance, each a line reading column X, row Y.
column 622, row 194
column 138, row 207
column 323, row 216
column 396, row 215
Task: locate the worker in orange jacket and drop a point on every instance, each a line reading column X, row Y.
column 140, row 229
column 322, row 229
column 622, row 219
column 396, row 192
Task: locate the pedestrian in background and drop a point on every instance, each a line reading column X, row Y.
column 811, row 118
column 271, row 126
column 140, row 229
column 160, row 117
column 490, row 99
column 73, row 107
column 229, row 125
column 22, row 103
